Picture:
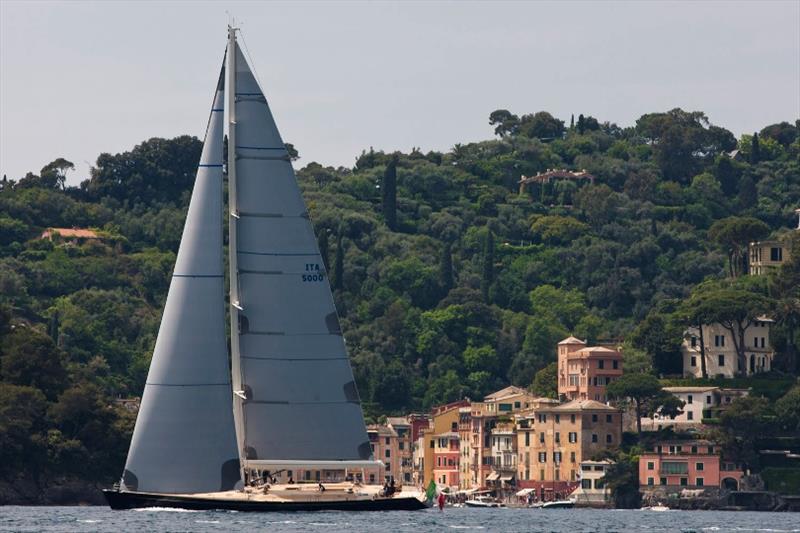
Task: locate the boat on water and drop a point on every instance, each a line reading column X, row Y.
column 484, row 501
column 658, row 508
column 238, row 435
column 558, row 504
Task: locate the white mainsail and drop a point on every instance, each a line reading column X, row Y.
column 295, row 398
column 184, row 439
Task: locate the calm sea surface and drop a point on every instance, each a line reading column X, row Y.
column 553, row 520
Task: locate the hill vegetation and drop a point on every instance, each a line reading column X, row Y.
column 450, row 282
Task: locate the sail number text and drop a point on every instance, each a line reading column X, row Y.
column 313, row 273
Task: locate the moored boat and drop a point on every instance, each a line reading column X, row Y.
column 484, row 501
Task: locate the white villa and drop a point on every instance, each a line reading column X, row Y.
column 721, row 358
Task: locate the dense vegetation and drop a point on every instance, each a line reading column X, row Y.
column 449, row 281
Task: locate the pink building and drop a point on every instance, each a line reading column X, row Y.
column 686, row 464
column 584, row 372
column 446, row 459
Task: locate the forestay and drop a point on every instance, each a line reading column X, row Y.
column 184, row 440
column 295, row 394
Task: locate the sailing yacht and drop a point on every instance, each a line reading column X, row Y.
column 216, row 435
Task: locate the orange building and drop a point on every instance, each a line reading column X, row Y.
column 554, row 440
column 384, row 443
column 443, row 424
column 584, row 372
column 670, row 466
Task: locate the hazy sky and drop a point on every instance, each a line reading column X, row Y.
column 81, row 78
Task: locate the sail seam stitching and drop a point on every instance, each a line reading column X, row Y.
column 187, row 384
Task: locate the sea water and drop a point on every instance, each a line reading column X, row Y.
column 451, row 519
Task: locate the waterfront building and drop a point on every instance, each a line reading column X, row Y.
column 384, row 442
column 672, row 466
column 503, row 458
column 402, row 427
column 699, row 405
column 721, row 357
column 585, row 371
column 443, row 424
column 477, row 423
column 592, row 490
column 446, row 459
column 554, row 440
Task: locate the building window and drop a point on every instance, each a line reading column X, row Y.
column 708, row 399
column 542, row 457
column 541, row 437
column 586, row 483
column 387, row 441
column 689, row 398
column 573, row 436
column 541, row 474
column 776, row 254
column 650, row 481
column 694, row 342
column 608, row 419
column 433, row 444
column 650, row 465
column 693, row 361
column 571, row 457
column 609, row 438
column 527, row 438
column 401, row 445
column 594, row 418
column 558, row 474
column 516, row 405
column 694, row 449
column 594, row 437
column 675, row 467
column 710, row 449
column 601, row 364
column 699, row 466
column 615, row 364
column 558, row 437
column 572, row 418
column 387, row 453
column 719, row 340
column 662, row 480
column 720, row 360
column 689, row 415
column 698, row 481
column 684, row 481
column 558, row 419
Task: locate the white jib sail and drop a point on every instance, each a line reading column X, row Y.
column 184, row 439
column 296, row 399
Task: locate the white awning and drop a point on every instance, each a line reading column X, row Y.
column 525, row 492
column 507, row 478
column 494, row 476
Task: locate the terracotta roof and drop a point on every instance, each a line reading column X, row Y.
column 581, row 405
column 397, row 421
column 503, row 393
column 571, row 340
column 597, row 349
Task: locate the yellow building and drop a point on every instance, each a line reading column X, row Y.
column 444, row 421
column 766, row 255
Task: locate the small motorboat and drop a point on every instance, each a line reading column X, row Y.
column 559, row 504
column 658, row 508
column 484, row 501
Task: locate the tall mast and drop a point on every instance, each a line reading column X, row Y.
column 233, row 217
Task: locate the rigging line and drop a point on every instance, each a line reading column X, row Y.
column 250, row 60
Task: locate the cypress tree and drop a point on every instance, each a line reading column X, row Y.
column 748, row 195
column 572, row 121
column 389, row 193
column 446, row 269
column 488, row 265
column 52, row 328
column 338, row 270
column 755, row 150
column 323, row 247
column 581, row 124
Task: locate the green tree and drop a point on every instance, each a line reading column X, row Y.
column 338, row 268
column 748, row 194
column 545, row 382
column 647, row 395
column 755, row 150
column 32, row 359
column 389, row 194
column 787, row 410
column 735, row 310
column 488, row 265
column 504, row 121
column 446, row 268
column 734, row 235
